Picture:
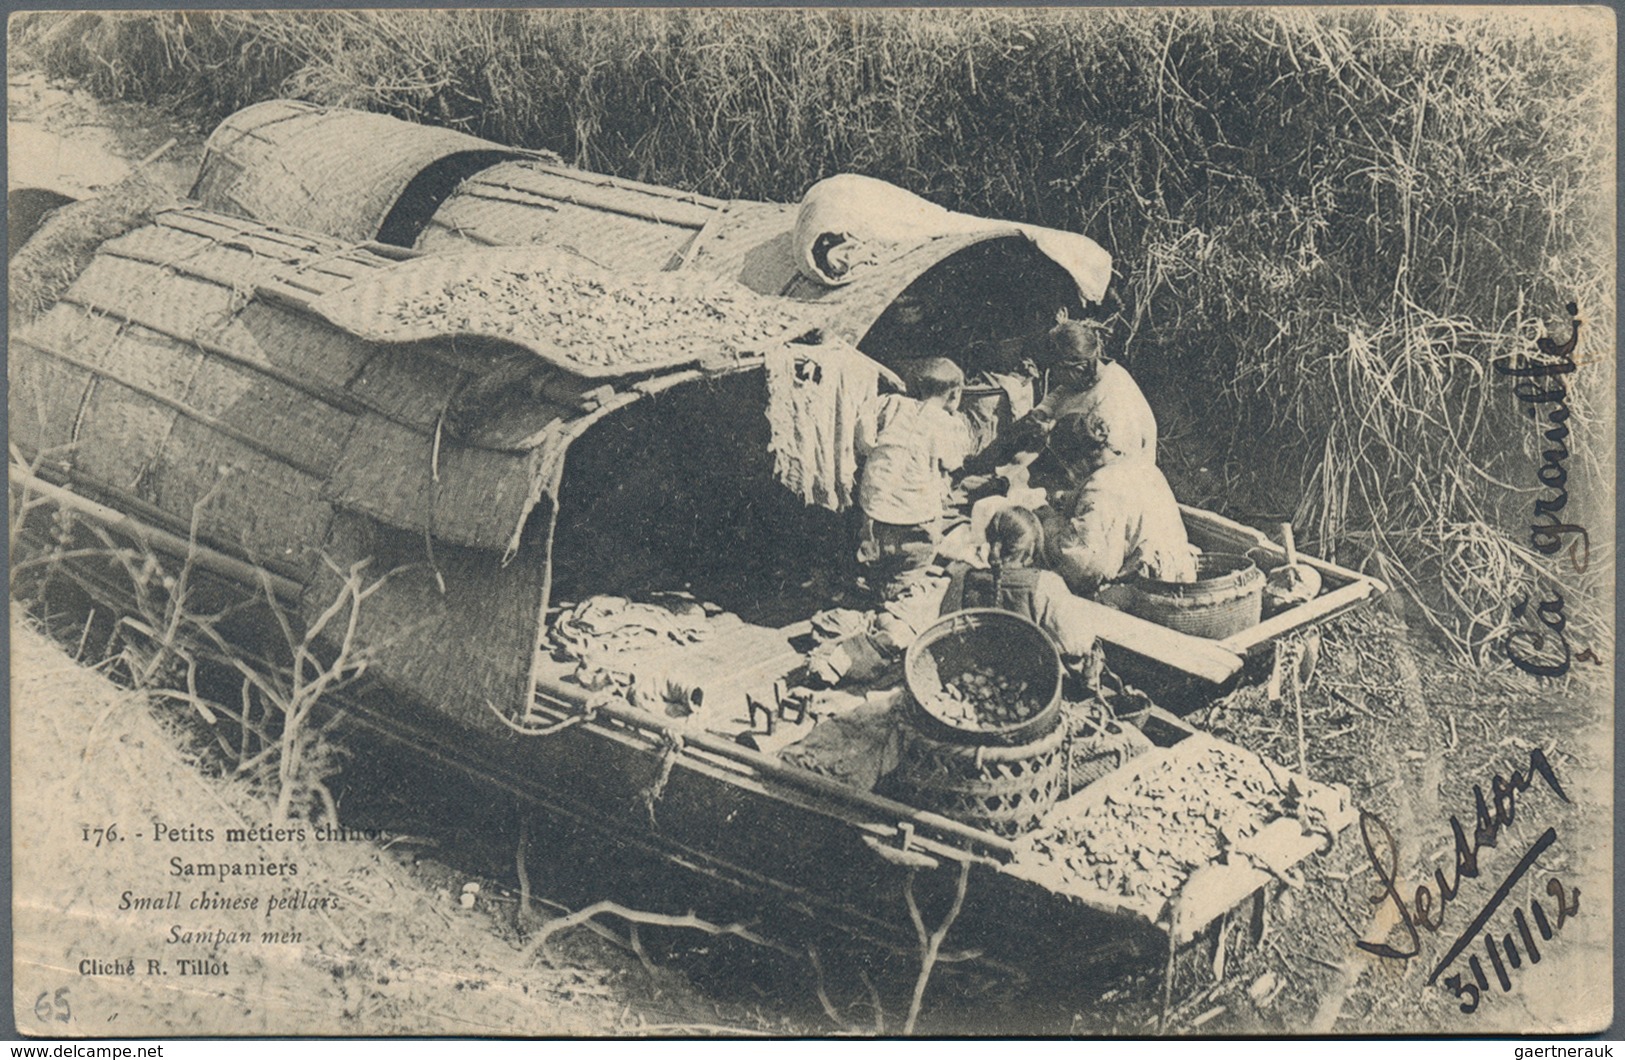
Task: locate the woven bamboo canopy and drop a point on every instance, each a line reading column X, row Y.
column 203, row 328
column 200, row 369
column 345, row 173
column 619, row 225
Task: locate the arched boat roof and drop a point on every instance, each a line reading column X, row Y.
column 343, row 173
column 766, row 263
column 622, row 225
column 204, row 341
column 292, row 163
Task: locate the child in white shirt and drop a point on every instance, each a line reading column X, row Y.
column 910, row 446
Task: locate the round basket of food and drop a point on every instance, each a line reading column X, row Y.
column 984, row 676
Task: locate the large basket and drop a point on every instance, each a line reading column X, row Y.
column 1006, row 790
column 1226, row 598
column 984, row 637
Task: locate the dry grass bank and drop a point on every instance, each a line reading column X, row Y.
column 393, row 953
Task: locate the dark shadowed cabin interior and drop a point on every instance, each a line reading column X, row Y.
column 429, row 190
column 1000, row 292
column 677, row 491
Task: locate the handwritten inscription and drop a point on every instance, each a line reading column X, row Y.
column 1427, row 908
column 1539, row 644
column 1424, row 907
column 1505, row 956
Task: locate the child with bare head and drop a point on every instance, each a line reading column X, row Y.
column 1015, row 540
column 909, row 446
column 1078, row 352
column 939, row 380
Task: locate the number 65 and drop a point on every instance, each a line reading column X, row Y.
column 43, row 1007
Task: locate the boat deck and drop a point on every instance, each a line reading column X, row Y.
column 735, row 659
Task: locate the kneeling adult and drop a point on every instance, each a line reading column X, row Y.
column 1111, row 515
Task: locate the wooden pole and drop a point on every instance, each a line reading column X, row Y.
column 209, row 559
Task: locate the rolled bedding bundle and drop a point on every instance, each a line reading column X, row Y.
column 849, row 223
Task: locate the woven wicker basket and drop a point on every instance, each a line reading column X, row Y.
column 1226, row 598
column 1007, row 790
column 1097, row 744
column 991, row 638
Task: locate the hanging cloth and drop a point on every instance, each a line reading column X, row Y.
column 815, row 393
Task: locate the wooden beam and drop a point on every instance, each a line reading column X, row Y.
column 142, row 511
column 1209, row 660
column 888, row 811
column 1317, row 610
column 1227, row 528
column 248, row 574
column 1241, row 534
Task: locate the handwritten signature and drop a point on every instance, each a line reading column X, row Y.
column 1426, row 907
column 1541, row 388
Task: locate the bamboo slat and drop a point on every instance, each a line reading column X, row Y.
column 556, row 184
column 602, row 180
column 337, row 399
column 127, row 433
column 45, row 399
column 1211, row 661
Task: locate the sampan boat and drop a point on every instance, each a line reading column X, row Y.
column 492, row 428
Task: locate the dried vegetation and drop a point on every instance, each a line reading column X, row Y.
column 43, row 269
column 385, row 956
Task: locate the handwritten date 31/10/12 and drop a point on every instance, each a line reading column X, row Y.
column 1426, row 908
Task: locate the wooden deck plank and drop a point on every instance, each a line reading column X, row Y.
column 1203, row 658
column 1322, row 607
